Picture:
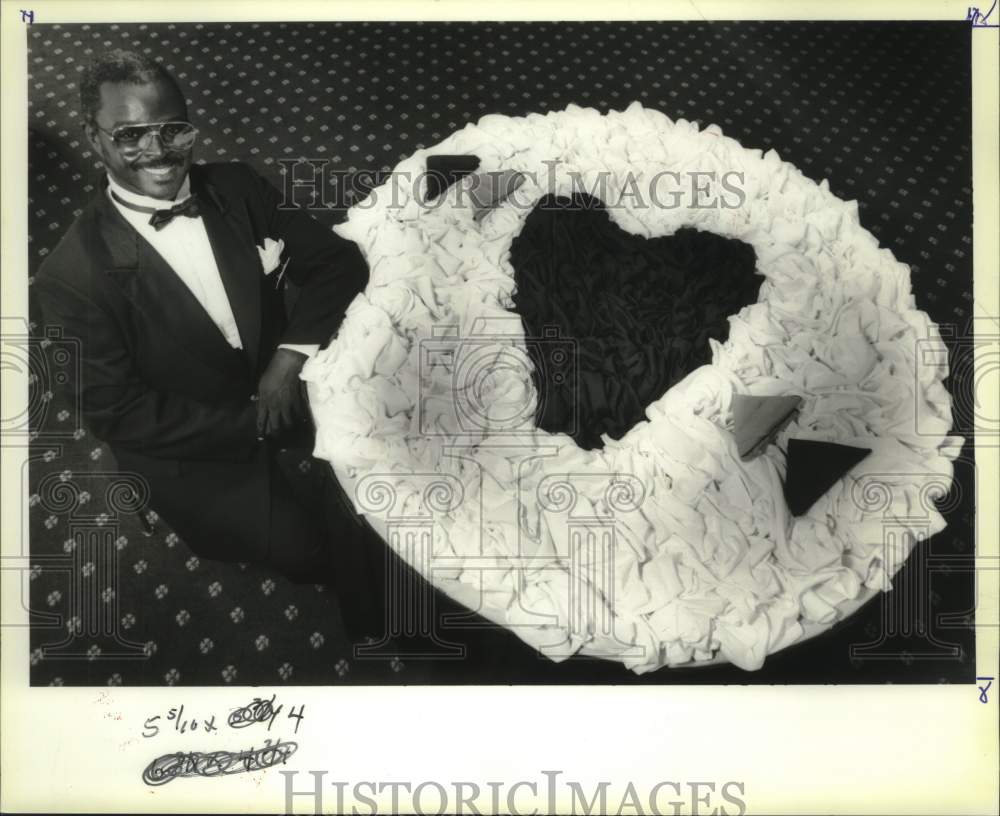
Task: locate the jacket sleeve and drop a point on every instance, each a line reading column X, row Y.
column 123, row 410
column 330, row 270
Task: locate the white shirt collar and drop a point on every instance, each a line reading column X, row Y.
column 149, row 201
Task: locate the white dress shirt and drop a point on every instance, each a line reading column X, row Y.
column 185, row 246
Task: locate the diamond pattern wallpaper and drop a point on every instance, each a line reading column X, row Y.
column 880, row 110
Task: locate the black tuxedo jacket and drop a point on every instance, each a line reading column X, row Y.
column 159, row 383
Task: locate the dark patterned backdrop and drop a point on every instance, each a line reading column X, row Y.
column 881, row 110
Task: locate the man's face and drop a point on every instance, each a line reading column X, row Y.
column 157, row 171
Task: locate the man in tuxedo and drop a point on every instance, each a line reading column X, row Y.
column 190, row 364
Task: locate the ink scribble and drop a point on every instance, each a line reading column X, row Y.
column 256, row 712
column 980, row 20
column 168, row 767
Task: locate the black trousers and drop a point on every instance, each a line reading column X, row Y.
column 315, row 537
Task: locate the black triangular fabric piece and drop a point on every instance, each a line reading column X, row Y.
column 757, row 420
column 444, row 170
column 489, row 190
column 813, row 468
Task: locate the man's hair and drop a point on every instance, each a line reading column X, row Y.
column 118, row 66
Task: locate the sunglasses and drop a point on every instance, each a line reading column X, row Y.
column 173, row 135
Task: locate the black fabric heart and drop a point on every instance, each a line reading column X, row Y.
column 634, row 314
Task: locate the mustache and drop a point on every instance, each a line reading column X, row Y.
column 158, row 163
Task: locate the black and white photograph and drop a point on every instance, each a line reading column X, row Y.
column 501, row 354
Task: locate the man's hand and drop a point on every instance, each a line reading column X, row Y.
column 281, row 395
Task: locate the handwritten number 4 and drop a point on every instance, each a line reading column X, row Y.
column 27, row 16
column 292, row 715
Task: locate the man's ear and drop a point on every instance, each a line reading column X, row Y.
column 93, row 136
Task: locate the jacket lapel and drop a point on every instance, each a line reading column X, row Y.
column 153, row 287
column 156, row 291
column 231, row 235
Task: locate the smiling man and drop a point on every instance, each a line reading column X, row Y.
column 135, row 159
column 190, row 359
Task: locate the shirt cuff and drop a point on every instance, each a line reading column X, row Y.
column 308, row 349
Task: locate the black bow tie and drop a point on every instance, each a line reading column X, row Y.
column 160, row 218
